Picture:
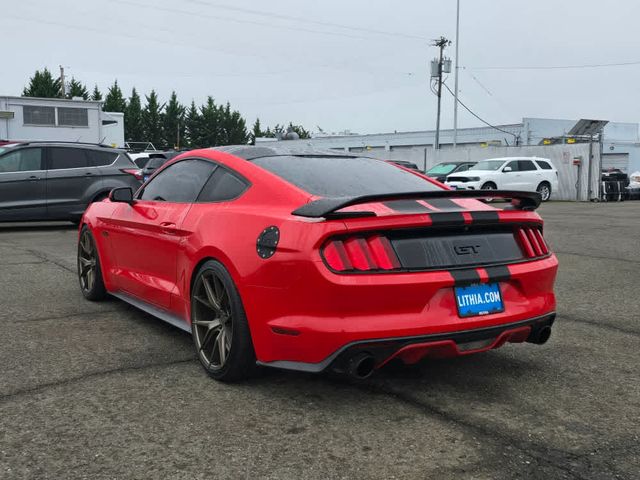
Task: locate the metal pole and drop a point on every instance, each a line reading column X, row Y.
column 62, row 87
column 455, row 88
column 436, row 144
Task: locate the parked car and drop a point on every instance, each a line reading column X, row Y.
column 56, row 181
column 156, row 160
column 274, row 256
column 406, row 164
column 528, row 174
column 140, row 159
column 441, row 170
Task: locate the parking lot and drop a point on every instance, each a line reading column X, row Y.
column 102, row 390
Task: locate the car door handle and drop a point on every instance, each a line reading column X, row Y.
column 168, row 227
column 33, row 178
column 88, row 174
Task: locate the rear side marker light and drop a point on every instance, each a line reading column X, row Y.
column 532, row 242
column 362, row 254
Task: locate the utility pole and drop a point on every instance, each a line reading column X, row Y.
column 439, row 66
column 456, row 71
column 62, row 86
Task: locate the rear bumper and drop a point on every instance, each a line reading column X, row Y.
column 413, row 349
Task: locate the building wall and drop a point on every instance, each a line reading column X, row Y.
column 560, row 155
column 619, row 138
column 15, row 128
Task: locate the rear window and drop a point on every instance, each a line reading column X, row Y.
column 155, row 162
column 543, row 165
column 344, row 176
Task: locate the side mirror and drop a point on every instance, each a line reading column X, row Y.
column 122, row 195
column 507, row 169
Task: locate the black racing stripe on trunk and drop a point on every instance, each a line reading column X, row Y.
column 465, row 277
column 485, row 217
column 447, row 218
column 444, row 204
column 407, row 206
column 498, row 274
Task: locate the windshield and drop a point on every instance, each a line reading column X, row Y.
column 329, row 176
column 488, row 165
column 442, row 169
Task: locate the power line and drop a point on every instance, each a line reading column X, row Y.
column 305, row 20
column 558, row 67
column 477, row 116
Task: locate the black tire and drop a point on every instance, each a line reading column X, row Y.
column 489, row 186
column 544, row 189
column 217, row 314
column 89, row 269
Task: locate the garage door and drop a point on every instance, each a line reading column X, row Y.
column 616, row 160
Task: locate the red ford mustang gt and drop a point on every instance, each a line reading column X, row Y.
column 309, row 260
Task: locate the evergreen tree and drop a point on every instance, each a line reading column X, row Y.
column 96, row 95
column 210, row 125
column 300, row 130
column 114, row 101
column 133, row 127
column 77, row 89
column 256, row 132
column 234, row 127
column 192, row 123
column 42, row 84
column 173, row 122
column 152, row 120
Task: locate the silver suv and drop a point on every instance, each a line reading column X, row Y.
column 56, row 181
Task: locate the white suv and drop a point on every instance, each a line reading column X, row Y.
column 529, row 174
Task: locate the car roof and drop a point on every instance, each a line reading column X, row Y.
column 251, row 152
column 45, row 143
column 505, row 159
column 456, row 162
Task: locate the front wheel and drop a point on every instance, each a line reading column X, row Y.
column 89, row 271
column 221, row 334
column 544, row 189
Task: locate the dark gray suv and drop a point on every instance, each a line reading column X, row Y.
column 56, row 181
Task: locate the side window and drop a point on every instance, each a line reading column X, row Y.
column 60, row 157
column 180, row 182
column 463, row 168
column 23, row 160
column 100, row 159
column 527, row 165
column 513, row 165
column 544, row 165
column 223, row 185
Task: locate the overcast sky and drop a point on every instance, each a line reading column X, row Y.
column 360, row 65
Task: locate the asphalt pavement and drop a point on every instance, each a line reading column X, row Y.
column 104, row 391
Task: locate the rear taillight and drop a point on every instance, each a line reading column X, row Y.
column 532, row 242
column 361, row 254
column 136, row 172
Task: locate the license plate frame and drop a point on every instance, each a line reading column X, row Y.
column 478, row 299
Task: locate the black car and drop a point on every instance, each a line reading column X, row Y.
column 441, row 170
column 156, row 160
column 405, row 164
column 57, row 180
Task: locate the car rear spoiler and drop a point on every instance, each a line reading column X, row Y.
column 327, row 207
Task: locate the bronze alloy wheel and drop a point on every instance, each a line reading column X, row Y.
column 89, row 271
column 212, row 320
column 87, row 262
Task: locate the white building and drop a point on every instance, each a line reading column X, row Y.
column 620, row 141
column 30, row 118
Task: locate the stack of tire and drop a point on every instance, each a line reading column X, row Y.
column 614, row 186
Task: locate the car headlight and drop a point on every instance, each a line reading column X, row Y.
column 474, row 179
